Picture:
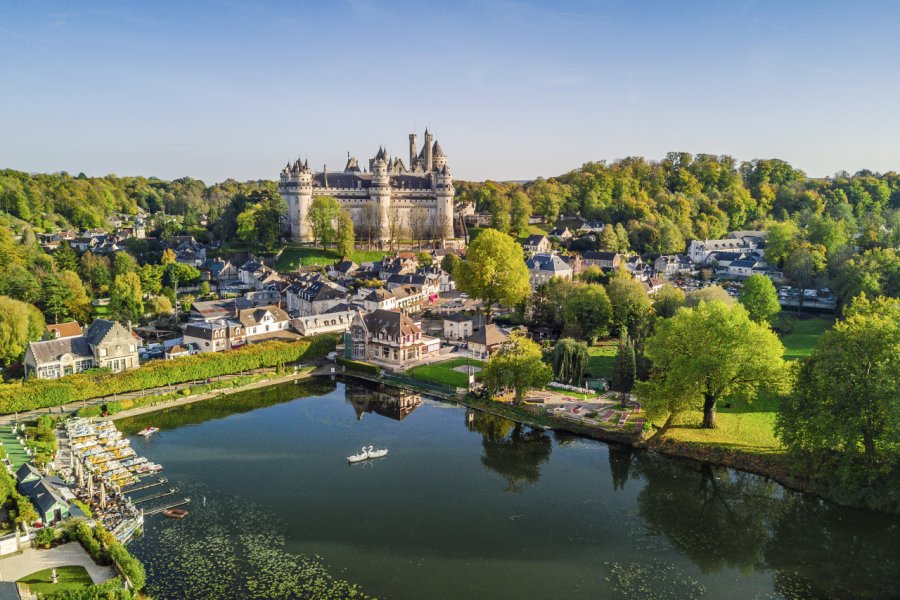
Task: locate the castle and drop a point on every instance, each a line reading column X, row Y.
column 389, row 200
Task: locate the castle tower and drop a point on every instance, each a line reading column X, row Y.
column 413, row 142
column 443, row 189
column 380, row 190
column 429, row 139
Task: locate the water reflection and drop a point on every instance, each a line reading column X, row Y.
column 512, row 450
column 393, row 403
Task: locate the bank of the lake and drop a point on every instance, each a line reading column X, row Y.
column 469, row 504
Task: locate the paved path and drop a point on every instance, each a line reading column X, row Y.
column 16, row 566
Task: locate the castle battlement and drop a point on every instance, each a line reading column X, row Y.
column 389, row 196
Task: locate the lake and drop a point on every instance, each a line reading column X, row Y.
column 469, row 505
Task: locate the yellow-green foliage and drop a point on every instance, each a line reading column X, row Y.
column 39, row 393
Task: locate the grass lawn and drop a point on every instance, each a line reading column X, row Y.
column 801, row 341
column 601, row 359
column 443, row 372
column 295, row 256
column 70, row 579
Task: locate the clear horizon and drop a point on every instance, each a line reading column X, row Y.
column 512, row 90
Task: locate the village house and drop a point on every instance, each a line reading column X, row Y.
column 458, row 326
column 544, row 267
column 337, row 320
column 671, row 265
column 105, row 344
column 388, row 336
column 486, row 340
column 264, row 322
column 214, row 336
column 536, row 243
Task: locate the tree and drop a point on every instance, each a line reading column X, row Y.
column 668, row 300
column 842, row 416
column 449, row 262
column 323, row 210
column 346, row 239
column 126, row 298
column 161, row 306
column 569, row 361
column 625, row 367
column 760, row 298
column 804, row 265
column 65, row 257
column 518, row 365
column 630, row 305
column 20, row 323
column 586, row 312
column 519, row 213
column 55, row 296
column 494, row 271
column 78, row 305
column 705, row 353
column 781, row 235
column 711, row 293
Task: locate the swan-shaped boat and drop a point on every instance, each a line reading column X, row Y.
column 376, row 453
column 355, row 458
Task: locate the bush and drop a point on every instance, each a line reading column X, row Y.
column 44, row 538
column 361, row 367
column 41, row 393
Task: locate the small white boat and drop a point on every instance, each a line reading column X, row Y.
column 376, row 453
column 148, row 431
column 355, row 458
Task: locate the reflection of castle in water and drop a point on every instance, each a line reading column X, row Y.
column 393, row 403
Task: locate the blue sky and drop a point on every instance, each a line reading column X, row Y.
column 512, row 89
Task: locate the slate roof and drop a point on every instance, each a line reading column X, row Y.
column 547, row 262
column 489, row 335
column 52, row 350
column 390, row 322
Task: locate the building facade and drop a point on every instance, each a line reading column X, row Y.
column 388, row 197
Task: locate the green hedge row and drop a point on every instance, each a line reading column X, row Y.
column 41, row 393
column 362, row 367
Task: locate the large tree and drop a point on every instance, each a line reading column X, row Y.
column 518, row 365
column 844, row 412
column 20, row 323
column 322, row 212
column 494, row 271
column 630, row 305
column 706, row 353
column 760, row 298
column 586, row 312
column 346, row 239
column 126, row 298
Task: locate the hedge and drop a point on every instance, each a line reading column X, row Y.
column 42, row 393
column 362, row 367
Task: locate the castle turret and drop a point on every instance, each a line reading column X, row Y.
column 429, row 139
column 413, row 142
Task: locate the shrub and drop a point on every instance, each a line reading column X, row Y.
column 361, row 367
column 44, row 538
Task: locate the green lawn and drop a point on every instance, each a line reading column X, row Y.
column 602, row 358
column 745, row 427
column 805, row 335
column 443, row 372
column 295, row 256
column 70, row 579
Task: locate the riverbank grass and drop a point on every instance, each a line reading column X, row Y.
column 443, row 372
column 296, row 256
column 69, row 579
column 743, row 427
